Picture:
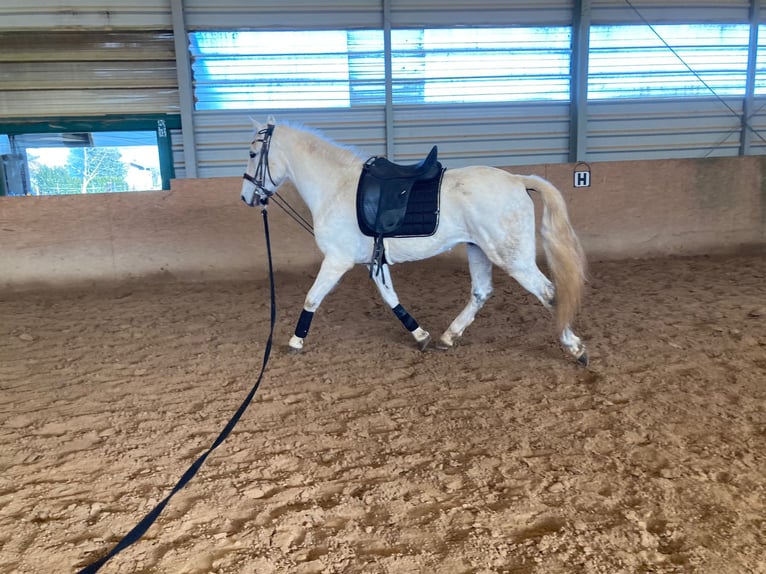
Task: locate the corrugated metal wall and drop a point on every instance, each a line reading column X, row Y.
column 86, row 73
column 85, row 14
column 76, row 69
column 757, row 123
column 281, row 15
column 669, row 11
column 223, row 137
column 420, row 13
column 656, row 130
column 497, row 134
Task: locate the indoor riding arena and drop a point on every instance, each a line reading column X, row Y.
column 136, row 293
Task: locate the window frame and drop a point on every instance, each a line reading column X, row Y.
column 160, row 124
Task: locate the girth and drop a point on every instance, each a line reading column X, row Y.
column 395, row 200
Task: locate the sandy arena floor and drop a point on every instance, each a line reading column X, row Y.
column 364, row 455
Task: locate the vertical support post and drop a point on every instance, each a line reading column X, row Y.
column 185, row 88
column 745, row 138
column 388, row 67
column 578, row 87
column 165, row 151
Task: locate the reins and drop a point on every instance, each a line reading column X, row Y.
column 293, row 214
column 140, row 529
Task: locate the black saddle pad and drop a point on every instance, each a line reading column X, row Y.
column 420, row 219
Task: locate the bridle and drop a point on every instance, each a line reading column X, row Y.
column 262, row 170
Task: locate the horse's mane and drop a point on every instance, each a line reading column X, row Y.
column 334, row 150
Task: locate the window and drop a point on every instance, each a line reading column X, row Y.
column 337, row 69
column 86, row 156
column 99, row 162
column 760, row 65
column 480, row 65
column 341, row 69
column 633, row 62
column 267, row 70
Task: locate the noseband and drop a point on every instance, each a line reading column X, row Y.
column 262, row 170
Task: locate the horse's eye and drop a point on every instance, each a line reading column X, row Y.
column 252, row 154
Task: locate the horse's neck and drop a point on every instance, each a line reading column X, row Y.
column 319, row 169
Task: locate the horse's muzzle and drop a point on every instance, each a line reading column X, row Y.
column 249, row 193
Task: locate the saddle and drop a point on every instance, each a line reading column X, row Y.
column 394, row 200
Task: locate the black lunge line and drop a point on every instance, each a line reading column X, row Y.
column 140, row 529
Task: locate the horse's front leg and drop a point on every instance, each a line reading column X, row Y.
column 329, row 274
column 382, row 278
column 480, row 268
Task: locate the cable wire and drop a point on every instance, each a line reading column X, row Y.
column 741, row 117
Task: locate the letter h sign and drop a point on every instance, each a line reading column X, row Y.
column 582, row 175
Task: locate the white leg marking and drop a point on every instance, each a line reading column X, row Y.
column 386, row 288
column 481, row 288
column 382, row 279
column 422, row 337
column 572, row 343
column 329, row 274
column 296, row 343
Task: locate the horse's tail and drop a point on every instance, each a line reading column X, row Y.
column 563, row 251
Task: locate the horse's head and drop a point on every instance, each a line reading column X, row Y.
column 264, row 173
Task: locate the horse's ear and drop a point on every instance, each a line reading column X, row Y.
column 271, row 121
column 256, row 124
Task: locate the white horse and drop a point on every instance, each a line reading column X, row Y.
column 486, row 208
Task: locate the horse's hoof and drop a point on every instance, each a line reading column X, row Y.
column 295, row 345
column 423, row 345
column 583, row 359
column 443, row 345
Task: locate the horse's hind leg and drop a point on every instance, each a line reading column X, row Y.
column 382, row 278
column 329, row 274
column 532, row 279
column 480, row 268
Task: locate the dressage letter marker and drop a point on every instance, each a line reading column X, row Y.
column 582, row 176
column 582, row 179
